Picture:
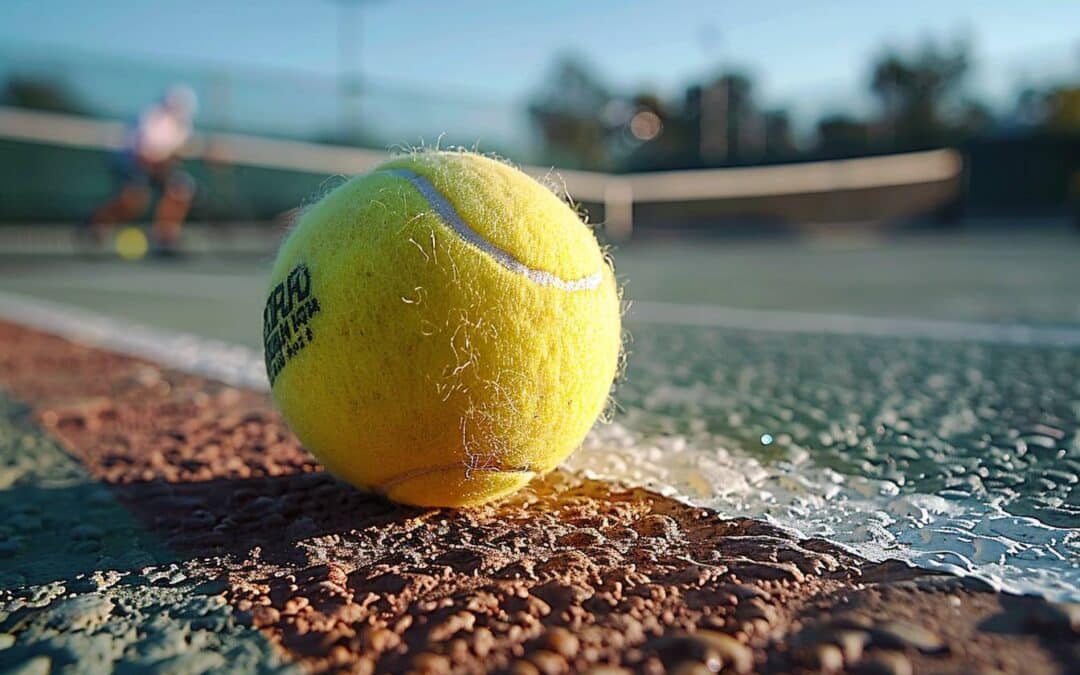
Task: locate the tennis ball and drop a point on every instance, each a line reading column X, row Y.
column 441, row 329
column 131, row 243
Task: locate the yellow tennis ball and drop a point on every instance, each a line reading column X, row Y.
column 131, row 243
column 441, row 329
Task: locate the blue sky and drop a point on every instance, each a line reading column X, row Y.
column 502, row 49
column 465, row 67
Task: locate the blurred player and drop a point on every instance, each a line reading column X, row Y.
column 150, row 160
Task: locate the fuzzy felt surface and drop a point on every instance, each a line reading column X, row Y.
column 411, row 361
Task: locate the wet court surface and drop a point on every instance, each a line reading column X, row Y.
column 956, row 452
column 142, row 498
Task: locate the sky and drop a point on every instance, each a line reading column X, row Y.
column 474, row 62
column 503, row 49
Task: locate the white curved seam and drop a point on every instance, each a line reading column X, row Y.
column 454, row 221
column 390, row 483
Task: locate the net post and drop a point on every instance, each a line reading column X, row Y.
column 618, row 208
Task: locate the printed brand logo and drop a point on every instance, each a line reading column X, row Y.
column 287, row 320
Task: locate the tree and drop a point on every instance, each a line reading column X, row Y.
column 569, row 112
column 732, row 128
column 29, row 91
column 915, row 91
column 841, row 136
column 1063, row 109
column 657, row 136
column 779, row 143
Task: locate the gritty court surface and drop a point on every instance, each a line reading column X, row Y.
column 894, row 359
column 932, row 382
column 945, row 288
column 165, row 523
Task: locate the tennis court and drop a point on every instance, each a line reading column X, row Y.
column 844, row 434
column 927, row 364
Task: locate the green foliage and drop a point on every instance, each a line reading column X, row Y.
column 29, row 91
column 923, row 102
column 916, row 91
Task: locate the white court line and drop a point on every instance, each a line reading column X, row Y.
column 1026, row 571
column 232, row 364
column 242, row 366
column 711, row 316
